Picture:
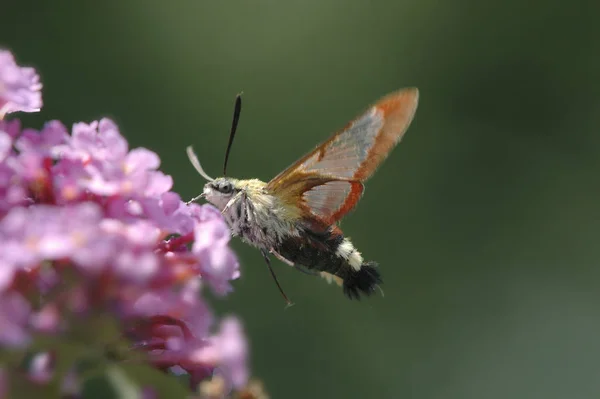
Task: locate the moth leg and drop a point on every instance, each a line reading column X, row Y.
column 295, row 266
column 307, row 271
column 231, row 202
column 265, row 255
column 281, row 257
column 246, row 215
column 248, row 209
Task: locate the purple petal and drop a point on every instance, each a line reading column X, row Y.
column 218, row 264
column 70, row 386
column 186, row 306
column 141, row 159
column 53, row 134
column 46, row 319
column 20, row 87
column 51, row 232
column 205, row 213
column 158, row 184
column 211, row 234
column 14, row 313
column 8, row 268
column 138, row 267
column 98, row 140
column 110, row 136
column 12, row 190
column 5, row 145
column 233, row 352
column 142, row 233
column 227, row 352
column 12, row 127
column 40, row 368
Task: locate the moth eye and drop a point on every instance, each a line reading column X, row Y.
column 225, row 187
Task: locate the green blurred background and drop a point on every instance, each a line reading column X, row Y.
column 485, row 220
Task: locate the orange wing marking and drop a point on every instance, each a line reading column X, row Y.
column 329, row 180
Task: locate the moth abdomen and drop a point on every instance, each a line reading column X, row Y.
column 332, row 253
column 362, row 277
column 364, row 281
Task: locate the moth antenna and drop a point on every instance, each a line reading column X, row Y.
column 194, row 160
column 236, row 117
column 287, row 300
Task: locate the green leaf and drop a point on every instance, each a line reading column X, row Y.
column 113, row 383
column 164, row 385
column 67, row 352
column 126, row 381
column 12, row 357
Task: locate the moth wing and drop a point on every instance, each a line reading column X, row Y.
column 332, row 200
column 328, row 181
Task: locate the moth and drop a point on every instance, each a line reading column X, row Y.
column 295, row 216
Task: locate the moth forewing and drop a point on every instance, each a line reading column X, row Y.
column 398, row 110
column 354, row 152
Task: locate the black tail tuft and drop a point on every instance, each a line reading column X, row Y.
column 363, row 281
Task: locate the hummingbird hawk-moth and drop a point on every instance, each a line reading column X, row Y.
column 294, row 216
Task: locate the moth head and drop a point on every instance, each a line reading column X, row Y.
column 220, row 191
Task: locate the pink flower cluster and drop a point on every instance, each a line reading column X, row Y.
column 20, row 87
column 90, row 227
